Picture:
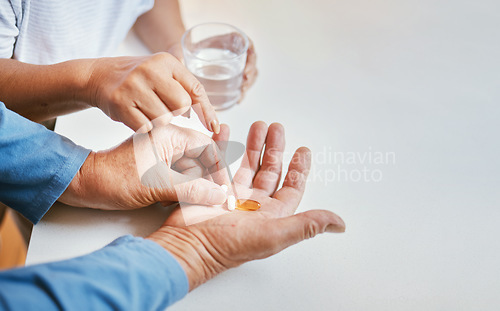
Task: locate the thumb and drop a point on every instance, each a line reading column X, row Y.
column 200, row 191
column 294, row 229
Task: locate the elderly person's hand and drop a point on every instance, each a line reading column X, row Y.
column 162, row 165
column 207, row 248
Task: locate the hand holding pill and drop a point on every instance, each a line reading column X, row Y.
column 209, row 247
column 167, row 164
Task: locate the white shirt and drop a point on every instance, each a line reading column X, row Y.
column 52, row 31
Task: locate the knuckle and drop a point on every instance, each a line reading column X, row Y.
column 311, row 229
column 115, row 98
column 295, row 179
column 181, row 105
column 161, row 56
column 141, row 69
column 185, row 99
column 164, row 58
column 134, row 78
column 197, row 88
column 274, row 169
column 193, row 191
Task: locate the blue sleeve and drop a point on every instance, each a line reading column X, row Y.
column 128, row 274
column 36, row 165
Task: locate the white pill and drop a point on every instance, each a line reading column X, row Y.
column 231, row 202
column 224, row 188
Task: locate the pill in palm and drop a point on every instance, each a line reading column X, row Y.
column 247, row 205
column 231, row 202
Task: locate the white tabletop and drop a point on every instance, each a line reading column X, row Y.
column 398, row 99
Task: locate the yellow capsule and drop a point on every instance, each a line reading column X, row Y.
column 247, row 205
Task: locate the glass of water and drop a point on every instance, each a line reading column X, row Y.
column 216, row 54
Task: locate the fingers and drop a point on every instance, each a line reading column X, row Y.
column 163, row 120
column 151, row 109
column 182, row 90
column 201, row 147
column 207, row 116
column 199, row 98
column 136, row 120
column 154, row 86
column 190, row 167
column 271, row 237
column 251, row 160
column 197, row 191
column 222, row 136
column 269, row 174
column 174, row 96
column 198, row 160
column 221, row 140
column 295, row 181
column 213, row 159
column 250, row 73
column 248, row 81
column 303, row 226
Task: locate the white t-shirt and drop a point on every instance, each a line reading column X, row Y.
column 52, row 31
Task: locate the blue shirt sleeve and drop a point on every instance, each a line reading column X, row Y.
column 129, row 274
column 36, row 165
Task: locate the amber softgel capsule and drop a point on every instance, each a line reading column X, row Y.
column 240, row 204
column 247, row 205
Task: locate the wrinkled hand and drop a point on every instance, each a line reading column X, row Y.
column 111, row 179
column 212, row 246
column 138, row 90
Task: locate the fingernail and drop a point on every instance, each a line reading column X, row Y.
column 215, row 126
column 217, row 197
column 335, row 228
column 187, row 114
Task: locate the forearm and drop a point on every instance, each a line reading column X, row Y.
column 36, row 165
column 42, row 92
column 129, row 274
column 161, row 28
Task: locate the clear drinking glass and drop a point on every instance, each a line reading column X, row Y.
column 216, row 54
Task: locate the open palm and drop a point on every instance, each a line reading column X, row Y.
column 209, row 247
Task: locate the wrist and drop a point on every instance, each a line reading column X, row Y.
column 76, row 192
column 189, row 252
column 76, row 82
column 87, row 85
